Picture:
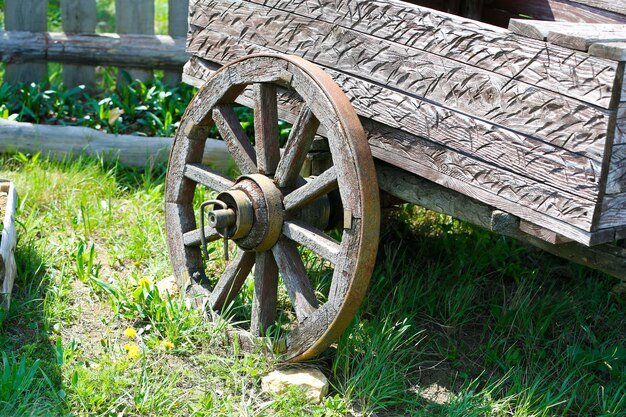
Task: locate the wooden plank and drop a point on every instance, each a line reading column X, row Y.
column 566, row 170
column 8, row 240
column 617, row 6
column 584, row 36
column 609, row 50
column 542, row 233
column 63, row 142
column 136, row 17
column 564, row 213
column 534, row 201
column 79, row 16
column 579, row 36
column 608, row 258
column 613, row 210
column 465, row 41
column 32, row 16
column 499, row 12
column 142, row 51
column 177, row 13
column 449, row 84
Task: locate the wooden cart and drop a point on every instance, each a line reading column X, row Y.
column 521, row 131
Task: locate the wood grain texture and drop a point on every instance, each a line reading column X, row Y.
column 617, row 6
column 586, row 35
column 31, row 16
column 466, row 41
column 542, row 233
column 611, row 50
column 613, row 209
column 564, row 169
column 452, row 85
column 528, row 199
column 109, row 49
column 499, row 12
column 177, row 26
column 79, row 16
column 8, row 240
column 579, row 36
column 136, row 16
column 265, row 293
column 62, row 142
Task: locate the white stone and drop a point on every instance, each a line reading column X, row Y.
column 168, row 286
column 313, row 381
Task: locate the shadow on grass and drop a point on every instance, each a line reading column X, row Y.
column 481, row 325
column 33, row 375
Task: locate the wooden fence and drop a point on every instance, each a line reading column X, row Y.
column 27, row 47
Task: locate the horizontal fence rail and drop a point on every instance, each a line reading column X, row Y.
column 26, row 46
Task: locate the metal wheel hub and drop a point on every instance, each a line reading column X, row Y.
column 253, row 214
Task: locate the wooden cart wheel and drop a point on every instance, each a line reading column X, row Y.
column 263, row 210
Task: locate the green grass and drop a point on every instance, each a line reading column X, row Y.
column 457, row 321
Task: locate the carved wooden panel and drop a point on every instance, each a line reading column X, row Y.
column 518, row 123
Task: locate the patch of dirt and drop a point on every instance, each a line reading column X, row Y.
column 90, row 326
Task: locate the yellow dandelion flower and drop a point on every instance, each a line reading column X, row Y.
column 132, row 350
column 167, row 344
column 144, row 282
column 131, row 333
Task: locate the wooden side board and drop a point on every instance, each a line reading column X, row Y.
column 499, row 12
column 454, row 85
column 510, row 192
column 463, row 40
column 565, row 170
column 523, row 124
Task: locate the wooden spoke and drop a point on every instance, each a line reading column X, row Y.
column 299, row 142
column 295, row 278
column 312, row 190
column 266, row 128
column 231, row 280
column 206, row 176
column 238, row 143
column 313, row 239
column 265, row 293
column 192, row 238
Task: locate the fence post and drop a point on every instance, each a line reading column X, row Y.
column 136, row 17
column 31, row 16
column 177, row 15
column 79, row 16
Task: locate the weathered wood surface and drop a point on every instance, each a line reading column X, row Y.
column 142, row 51
column 499, row 12
column 26, row 15
column 607, row 258
column 617, row 6
column 134, row 17
column 569, row 35
column 509, row 191
column 79, row 16
column 522, row 124
column 61, row 142
column 8, row 239
column 488, row 142
column 542, row 233
column 462, row 40
column 317, row 325
column 611, row 50
column 177, row 16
